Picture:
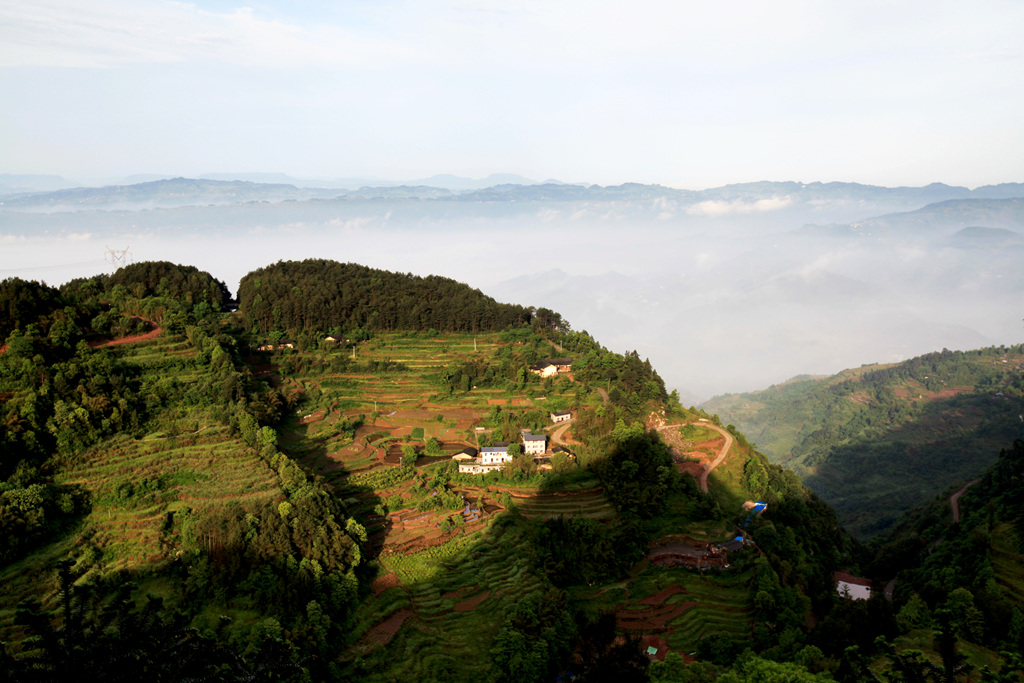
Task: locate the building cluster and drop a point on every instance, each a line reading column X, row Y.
column 490, row 458
column 494, row 457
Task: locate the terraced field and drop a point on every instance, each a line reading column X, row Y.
column 443, row 627
column 136, row 484
column 678, row 604
column 190, row 461
column 590, row 503
column 1008, row 563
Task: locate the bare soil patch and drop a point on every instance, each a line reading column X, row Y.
column 384, row 632
column 661, row 597
column 152, row 334
column 659, row 644
column 470, row 604
column 694, row 469
column 382, row 583
column 650, row 620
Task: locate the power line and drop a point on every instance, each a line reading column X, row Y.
column 55, row 266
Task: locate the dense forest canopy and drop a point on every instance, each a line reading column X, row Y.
column 163, row 278
column 326, row 296
column 25, row 302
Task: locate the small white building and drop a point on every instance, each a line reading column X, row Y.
column 491, row 458
column 562, row 416
column 852, row 587
column 534, row 444
column 552, row 366
column 490, row 455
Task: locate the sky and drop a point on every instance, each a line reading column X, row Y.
column 686, row 94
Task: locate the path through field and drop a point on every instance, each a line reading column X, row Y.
column 721, row 453
column 954, row 500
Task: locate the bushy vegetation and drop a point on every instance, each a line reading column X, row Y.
column 185, row 507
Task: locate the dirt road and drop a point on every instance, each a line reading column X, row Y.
column 954, row 500
column 556, row 436
column 721, row 453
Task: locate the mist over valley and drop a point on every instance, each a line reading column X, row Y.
column 725, row 290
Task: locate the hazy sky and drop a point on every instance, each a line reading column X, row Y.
column 689, row 94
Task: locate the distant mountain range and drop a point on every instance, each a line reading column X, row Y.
column 51, row 194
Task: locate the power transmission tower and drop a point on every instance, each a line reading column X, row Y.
column 118, row 258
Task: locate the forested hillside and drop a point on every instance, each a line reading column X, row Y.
column 329, row 296
column 963, row 572
column 878, row 440
column 176, row 505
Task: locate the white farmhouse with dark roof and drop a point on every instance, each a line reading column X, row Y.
column 534, row 444
column 491, row 458
column 552, row 366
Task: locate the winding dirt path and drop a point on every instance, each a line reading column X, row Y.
column 556, row 436
column 603, row 393
column 721, row 453
column 954, row 500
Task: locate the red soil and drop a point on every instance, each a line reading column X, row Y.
column 384, row 632
column 470, row 604
column 658, row 643
column 315, row 416
column 659, row 598
column 382, row 583
column 152, row 334
column 650, row 620
column 694, row 469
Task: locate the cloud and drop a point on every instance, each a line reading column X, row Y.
column 715, row 208
column 107, row 34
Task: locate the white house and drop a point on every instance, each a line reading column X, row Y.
column 563, row 416
column 534, row 444
column 490, row 455
column 491, row 458
column 552, row 366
